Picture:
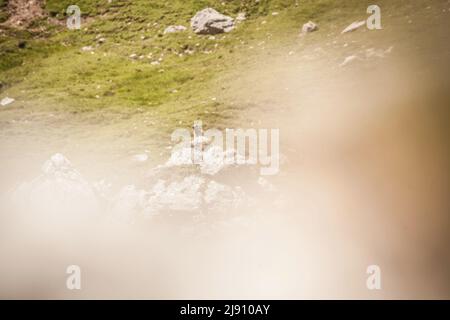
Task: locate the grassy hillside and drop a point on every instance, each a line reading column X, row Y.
column 136, row 73
column 137, row 84
column 52, row 66
column 3, row 12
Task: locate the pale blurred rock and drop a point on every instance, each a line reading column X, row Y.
column 174, row 29
column 6, row 101
column 348, row 60
column 309, row 27
column 242, row 16
column 354, row 26
column 87, row 49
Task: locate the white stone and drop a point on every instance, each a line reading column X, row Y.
column 142, row 157
column 354, row 26
column 174, row 29
column 348, row 60
column 309, row 27
column 6, row 101
column 87, row 49
column 241, row 17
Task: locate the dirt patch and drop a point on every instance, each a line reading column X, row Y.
column 23, row 12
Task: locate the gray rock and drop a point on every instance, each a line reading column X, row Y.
column 209, row 21
column 309, row 27
column 174, row 29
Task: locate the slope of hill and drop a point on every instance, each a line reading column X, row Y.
column 51, row 66
column 122, row 79
column 363, row 175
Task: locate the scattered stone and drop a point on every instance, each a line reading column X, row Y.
column 309, row 27
column 6, row 101
column 87, row 49
column 378, row 53
column 354, row 26
column 133, row 56
column 242, row 16
column 348, row 60
column 174, row 29
column 209, row 21
column 142, row 157
column 389, row 50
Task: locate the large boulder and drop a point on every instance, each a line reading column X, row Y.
column 209, row 21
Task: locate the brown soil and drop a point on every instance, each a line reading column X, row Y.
column 24, row 12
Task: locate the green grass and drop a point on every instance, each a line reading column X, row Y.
column 53, row 69
column 3, row 12
column 57, row 8
column 107, row 100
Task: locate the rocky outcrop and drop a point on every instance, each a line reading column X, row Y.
column 209, row 21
